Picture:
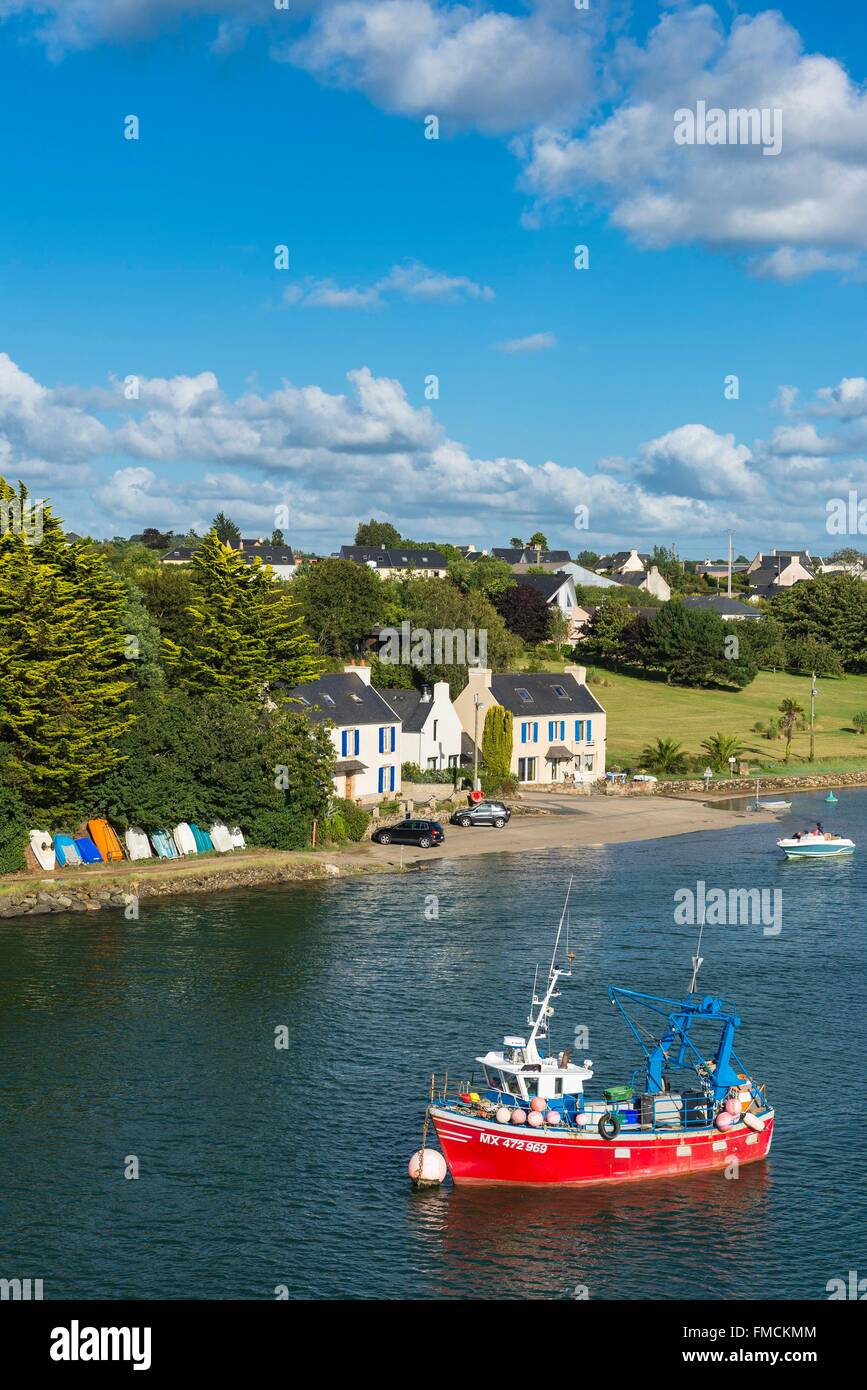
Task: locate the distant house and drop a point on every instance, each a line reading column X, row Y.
column 558, row 591
column 400, row 561
column 430, row 728
column 622, row 562
column 181, row 555
column 779, row 569
column 531, row 555
column 648, row 581
column 558, row 729
column 279, row 557
column 718, row 569
column 366, row 733
column 728, row 608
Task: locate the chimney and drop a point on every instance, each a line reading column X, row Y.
column 362, row 670
column 440, row 691
column 478, row 679
column 425, row 694
column 579, row 672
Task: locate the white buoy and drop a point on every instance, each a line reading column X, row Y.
column 427, row 1167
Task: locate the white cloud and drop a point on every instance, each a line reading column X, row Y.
column 471, row 67
column 807, row 206
column 411, row 280
column 699, row 462
column 534, row 342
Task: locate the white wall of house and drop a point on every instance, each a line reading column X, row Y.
column 378, row 746
column 656, row 585
column 438, row 743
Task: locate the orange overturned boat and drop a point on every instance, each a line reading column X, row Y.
column 105, row 839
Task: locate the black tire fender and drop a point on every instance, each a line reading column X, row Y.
column 609, row 1125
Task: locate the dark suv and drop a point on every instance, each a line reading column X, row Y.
column 423, row 833
column 483, row 813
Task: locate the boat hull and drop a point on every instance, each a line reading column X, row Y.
column 482, row 1151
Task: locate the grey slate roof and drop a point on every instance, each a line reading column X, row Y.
column 719, row 603
column 526, row 555
column 270, row 555
column 546, row 584
column 180, row 552
column 408, row 705
column 395, row 557
column 351, row 700
column 543, row 699
column 635, row 578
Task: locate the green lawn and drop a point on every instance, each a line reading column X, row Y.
column 641, row 710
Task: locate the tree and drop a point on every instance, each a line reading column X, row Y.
column 225, row 528
column 525, row 613
column 721, row 747
column 341, row 602
column 792, row 717
column 516, row 543
column 539, row 539
column 277, row 537
column 487, row 575
column 246, row 630
column 64, row 680
column 859, row 721
column 156, row 540
column 608, row 629
column 468, row 620
column 142, row 641
column 588, row 559
column 831, row 609
column 664, row 756
column 807, row 654
column 377, row 533
column 167, row 593
column 695, row 647
column 497, row 745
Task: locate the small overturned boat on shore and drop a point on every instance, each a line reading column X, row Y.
column 531, row 1122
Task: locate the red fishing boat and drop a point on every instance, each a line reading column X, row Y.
column 533, row 1123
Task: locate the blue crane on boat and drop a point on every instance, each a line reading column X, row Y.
column 675, row 1048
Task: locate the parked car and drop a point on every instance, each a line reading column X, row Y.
column 423, row 833
column 483, row 813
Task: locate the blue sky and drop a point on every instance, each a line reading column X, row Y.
column 411, row 257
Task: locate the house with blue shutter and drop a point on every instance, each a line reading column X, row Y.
column 558, row 729
column 366, row 732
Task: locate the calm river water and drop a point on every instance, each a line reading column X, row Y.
column 261, row 1167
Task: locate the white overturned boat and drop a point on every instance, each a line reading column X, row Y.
column 816, row 845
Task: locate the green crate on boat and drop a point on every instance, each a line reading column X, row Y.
column 619, row 1093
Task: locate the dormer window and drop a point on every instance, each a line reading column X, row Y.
column 524, row 695
column 559, row 692
column 328, row 699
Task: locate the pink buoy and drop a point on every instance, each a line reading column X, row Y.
column 427, row 1167
column 733, row 1106
column 552, row 1117
column 724, row 1120
column 535, row 1119
column 502, row 1115
column 537, row 1103
column 518, row 1116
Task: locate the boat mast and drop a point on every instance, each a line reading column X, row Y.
column 539, row 1024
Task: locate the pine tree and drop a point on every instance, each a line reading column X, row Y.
column 245, row 631
column 64, row 680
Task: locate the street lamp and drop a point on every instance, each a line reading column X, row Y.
column 477, row 702
column 813, row 693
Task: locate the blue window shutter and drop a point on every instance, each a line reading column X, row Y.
column 550, row 730
column 523, row 733
column 381, row 739
column 535, row 731
column 562, row 728
column 393, row 739
column 357, row 742
column 589, row 730
column 380, row 786
column 579, row 730
column 391, row 779
column 344, row 744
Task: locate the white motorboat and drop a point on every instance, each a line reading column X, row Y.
column 816, row 844
column 776, row 805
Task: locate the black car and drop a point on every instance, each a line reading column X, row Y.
column 483, row 813
column 423, row 833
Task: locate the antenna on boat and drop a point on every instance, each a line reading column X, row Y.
column 697, row 959
column 560, row 928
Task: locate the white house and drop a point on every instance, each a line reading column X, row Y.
column 558, row 730
column 558, row 591
column 430, row 728
column 779, row 569
column 648, row 581
column 366, row 732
